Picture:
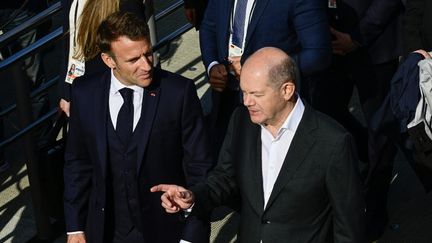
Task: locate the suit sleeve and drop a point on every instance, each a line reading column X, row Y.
column 207, row 34
column 376, row 19
column 311, row 26
column 220, row 187
column 77, row 175
column 345, row 192
column 412, row 25
column 197, row 159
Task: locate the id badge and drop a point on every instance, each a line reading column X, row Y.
column 332, row 4
column 76, row 69
column 234, row 51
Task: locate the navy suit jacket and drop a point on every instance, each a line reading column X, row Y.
column 173, row 149
column 298, row 27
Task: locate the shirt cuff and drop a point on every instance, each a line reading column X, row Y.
column 210, row 66
column 188, row 211
column 184, row 241
column 75, row 232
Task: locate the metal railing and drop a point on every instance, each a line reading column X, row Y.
column 23, row 96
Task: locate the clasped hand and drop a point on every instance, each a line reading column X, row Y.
column 174, row 198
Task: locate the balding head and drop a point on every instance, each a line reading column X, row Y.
column 273, row 64
column 267, row 83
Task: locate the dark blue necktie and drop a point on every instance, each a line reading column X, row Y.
column 239, row 23
column 125, row 116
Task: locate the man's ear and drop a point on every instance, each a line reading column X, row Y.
column 108, row 60
column 288, row 89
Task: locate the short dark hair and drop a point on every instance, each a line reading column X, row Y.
column 282, row 72
column 120, row 24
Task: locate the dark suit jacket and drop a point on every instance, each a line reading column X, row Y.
column 298, row 27
column 374, row 24
column 316, row 198
column 417, row 26
column 173, row 149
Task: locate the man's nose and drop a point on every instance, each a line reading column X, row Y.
column 145, row 63
column 247, row 100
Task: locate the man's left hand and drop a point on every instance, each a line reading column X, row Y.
column 343, row 44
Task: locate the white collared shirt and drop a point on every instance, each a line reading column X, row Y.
column 275, row 149
column 116, row 100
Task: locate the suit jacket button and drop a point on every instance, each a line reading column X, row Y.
column 264, row 221
column 102, row 209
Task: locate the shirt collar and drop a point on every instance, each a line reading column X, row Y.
column 116, row 85
column 293, row 120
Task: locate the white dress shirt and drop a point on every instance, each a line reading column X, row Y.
column 116, row 100
column 275, row 149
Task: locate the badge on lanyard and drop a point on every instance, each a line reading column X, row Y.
column 234, row 51
column 332, row 4
column 76, row 69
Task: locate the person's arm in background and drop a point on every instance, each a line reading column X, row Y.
column 190, row 11
column 377, row 17
column 310, row 23
column 218, row 76
column 64, row 88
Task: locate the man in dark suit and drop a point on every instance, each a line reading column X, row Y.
column 294, row 169
column 131, row 127
column 366, row 47
column 234, row 29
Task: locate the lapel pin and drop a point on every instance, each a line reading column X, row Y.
column 152, row 94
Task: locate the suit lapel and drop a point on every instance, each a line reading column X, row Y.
column 224, row 23
column 260, row 6
column 300, row 146
column 101, row 115
column 256, row 169
column 149, row 104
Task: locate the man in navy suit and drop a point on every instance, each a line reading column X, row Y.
column 234, row 29
column 131, row 127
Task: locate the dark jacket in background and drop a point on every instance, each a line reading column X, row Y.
column 417, row 26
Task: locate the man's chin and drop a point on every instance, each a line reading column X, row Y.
column 145, row 82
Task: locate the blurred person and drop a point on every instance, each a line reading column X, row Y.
column 417, row 26
column 366, row 49
column 131, row 126
column 13, row 14
column 83, row 56
column 232, row 30
column 294, row 169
